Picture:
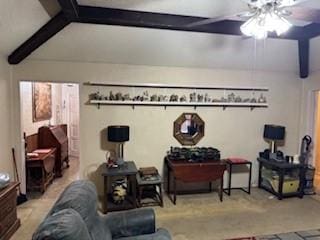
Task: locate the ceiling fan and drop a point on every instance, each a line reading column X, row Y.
column 264, row 16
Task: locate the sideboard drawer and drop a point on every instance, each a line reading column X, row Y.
column 8, row 205
column 9, row 222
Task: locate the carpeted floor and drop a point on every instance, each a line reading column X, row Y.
column 202, row 216
column 303, row 235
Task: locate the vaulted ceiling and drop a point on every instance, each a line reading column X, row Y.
column 19, row 20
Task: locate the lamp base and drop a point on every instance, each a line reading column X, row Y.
column 120, row 161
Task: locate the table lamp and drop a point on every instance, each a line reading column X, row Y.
column 118, row 134
column 273, row 133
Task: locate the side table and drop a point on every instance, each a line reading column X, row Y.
column 129, row 171
column 285, row 175
column 237, row 162
column 149, row 188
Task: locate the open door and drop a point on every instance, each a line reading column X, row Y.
column 317, row 143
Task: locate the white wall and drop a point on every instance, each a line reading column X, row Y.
column 5, row 116
column 236, row 132
column 310, row 87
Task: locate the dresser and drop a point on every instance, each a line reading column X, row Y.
column 55, row 137
column 9, row 222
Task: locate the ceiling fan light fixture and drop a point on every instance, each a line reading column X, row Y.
column 253, row 28
column 267, row 19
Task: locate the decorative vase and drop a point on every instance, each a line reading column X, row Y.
column 4, row 180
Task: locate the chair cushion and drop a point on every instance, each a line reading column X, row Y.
column 237, row 160
column 66, row 224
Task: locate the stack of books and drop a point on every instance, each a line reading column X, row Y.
column 149, row 174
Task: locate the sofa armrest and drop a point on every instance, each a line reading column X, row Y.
column 131, row 223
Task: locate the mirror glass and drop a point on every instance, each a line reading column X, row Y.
column 188, row 129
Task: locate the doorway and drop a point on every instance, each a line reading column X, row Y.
column 317, row 141
column 50, row 120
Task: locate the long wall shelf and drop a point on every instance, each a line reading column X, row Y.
column 199, row 87
column 187, row 95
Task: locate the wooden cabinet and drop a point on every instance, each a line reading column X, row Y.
column 194, row 172
column 55, row 137
column 9, row 222
column 40, row 169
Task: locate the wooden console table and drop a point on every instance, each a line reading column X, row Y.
column 40, row 169
column 192, row 172
column 9, row 222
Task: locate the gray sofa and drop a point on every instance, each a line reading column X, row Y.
column 75, row 217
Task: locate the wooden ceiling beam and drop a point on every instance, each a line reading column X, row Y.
column 72, row 12
column 70, row 8
column 312, row 30
column 55, row 25
column 131, row 18
column 304, row 57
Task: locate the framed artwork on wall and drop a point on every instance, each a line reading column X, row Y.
column 41, row 101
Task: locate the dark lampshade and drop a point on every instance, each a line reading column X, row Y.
column 118, row 133
column 274, row 132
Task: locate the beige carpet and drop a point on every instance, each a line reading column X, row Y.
column 204, row 217
column 201, row 216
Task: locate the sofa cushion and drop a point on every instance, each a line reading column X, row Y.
column 82, row 197
column 66, row 224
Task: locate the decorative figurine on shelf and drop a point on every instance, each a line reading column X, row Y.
column 238, row 99
column 118, row 96
column 166, row 98
column 193, row 97
column 223, row 99
column 183, row 98
column 174, row 98
column 246, row 100
column 111, row 96
column 207, row 98
column 126, row 97
column 96, row 96
column 231, row 97
column 154, row 98
column 145, row 96
column 119, row 190
column 253, row 100
column 161, row 98
column 262, row 99
column 200, row 98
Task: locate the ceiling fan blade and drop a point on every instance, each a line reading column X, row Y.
column 305, row 14
column 236, row 16
column 288, row 3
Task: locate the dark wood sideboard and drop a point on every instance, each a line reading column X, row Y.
column 40, row 169
column 9, row 221
column 194, row 172
column 55, row 137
